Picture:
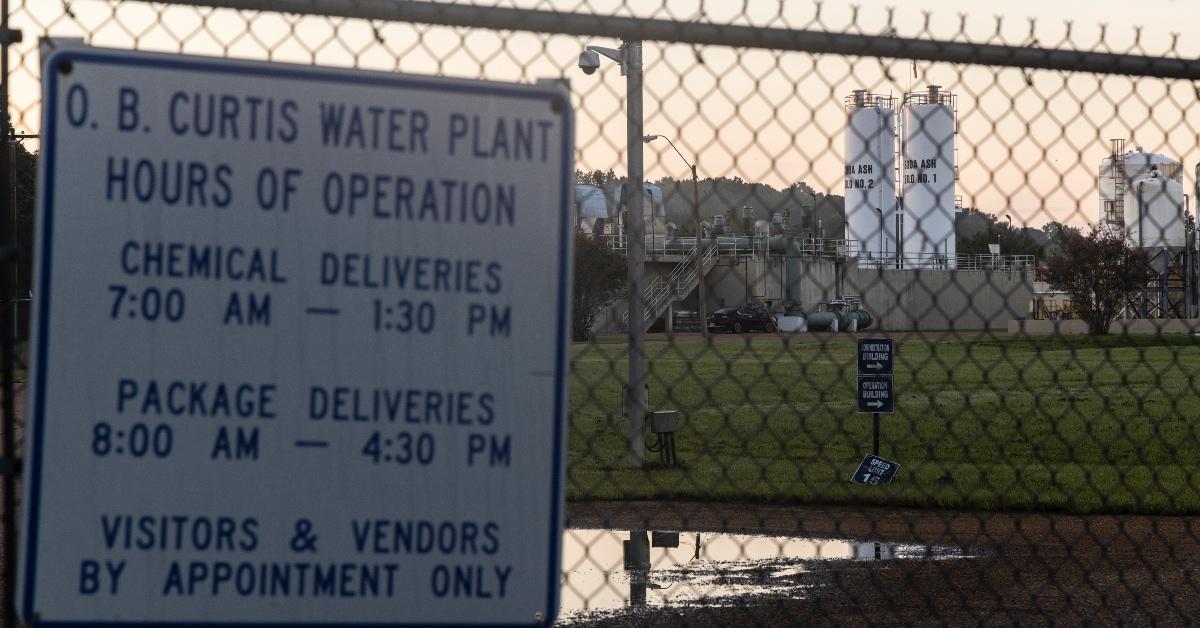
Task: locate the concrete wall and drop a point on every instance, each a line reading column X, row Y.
column 727, row 282
column 898, row 299
column 941, row 300
column 821, row 281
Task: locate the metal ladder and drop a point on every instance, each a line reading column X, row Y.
column 1117, row 172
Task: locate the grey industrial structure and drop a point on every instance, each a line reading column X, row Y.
column 896, row 266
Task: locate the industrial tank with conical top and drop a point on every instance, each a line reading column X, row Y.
column 870, row 174
column 1157, row 220
column 1141, row 193
column 927, row 178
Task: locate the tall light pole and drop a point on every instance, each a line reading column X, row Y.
column 630, row 58
column 701, row 294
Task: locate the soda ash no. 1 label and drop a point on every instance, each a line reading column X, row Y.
column 299, row 349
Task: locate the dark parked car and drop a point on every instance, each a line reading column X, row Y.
column 740, row 319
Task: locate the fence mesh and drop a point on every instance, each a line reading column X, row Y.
column 985, row 225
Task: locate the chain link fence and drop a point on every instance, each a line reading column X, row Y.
column 981, row 191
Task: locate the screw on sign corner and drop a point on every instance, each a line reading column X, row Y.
column 556, row 105
column 65, row 66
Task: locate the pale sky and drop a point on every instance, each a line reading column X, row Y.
column 1028, row 150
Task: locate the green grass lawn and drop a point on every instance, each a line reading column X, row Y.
column 1058, row 423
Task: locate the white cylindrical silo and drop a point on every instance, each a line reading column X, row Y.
column 1196, row 184
column 927, row 179
column 1156, row 219
column 1120, row 170
column 870, row 174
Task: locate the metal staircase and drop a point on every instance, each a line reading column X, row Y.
column 663, row 291
column 1116, row 215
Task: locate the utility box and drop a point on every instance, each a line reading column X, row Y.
column 664, row 421
column 664, row 539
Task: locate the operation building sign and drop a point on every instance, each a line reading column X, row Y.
column 299, row 348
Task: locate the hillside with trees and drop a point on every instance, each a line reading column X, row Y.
column 818, row 215
column 808, row 209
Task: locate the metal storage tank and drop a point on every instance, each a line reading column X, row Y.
column 870, row 174
column 590, row 207
column 654, row 210
column 927, row 154
column 652, row 206
column 1156, row 220
column 1197, row 183
column 1117, row 173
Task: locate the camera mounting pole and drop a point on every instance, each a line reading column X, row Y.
column 635, row 401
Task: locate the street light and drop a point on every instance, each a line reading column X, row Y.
column 700, row 278
column 629, row 55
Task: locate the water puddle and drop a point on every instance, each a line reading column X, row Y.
column 608, row 570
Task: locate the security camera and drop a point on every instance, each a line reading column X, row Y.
column 589, row 61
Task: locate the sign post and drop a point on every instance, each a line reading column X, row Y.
column 875, row 394
column 300, row 345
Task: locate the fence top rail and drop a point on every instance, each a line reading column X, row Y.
column 735, row 35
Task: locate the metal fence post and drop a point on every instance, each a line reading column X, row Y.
column 631, row 55
column 9, row 466
column 701, row 280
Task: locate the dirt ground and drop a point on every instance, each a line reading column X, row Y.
column 1029, row 569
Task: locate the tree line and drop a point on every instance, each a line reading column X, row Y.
column 730, row 197
column 815, row 214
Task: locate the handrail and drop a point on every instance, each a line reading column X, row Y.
column 968, row 263
column 659, row 290
column 823, row 248
column 738, row 245
column 657, row 296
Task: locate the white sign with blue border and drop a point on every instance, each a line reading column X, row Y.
column 300, row 346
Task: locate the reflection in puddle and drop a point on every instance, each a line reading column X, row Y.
column 613, row 569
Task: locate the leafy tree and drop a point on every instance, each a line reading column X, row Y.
column 977, row 229
column 1055, row 231
column 599, row 178
column 1097, row 270
column 600, row 278
column 724, row 195
column 24, row 184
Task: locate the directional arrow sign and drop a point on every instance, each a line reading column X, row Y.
column 875, row 356
column 875, row 394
